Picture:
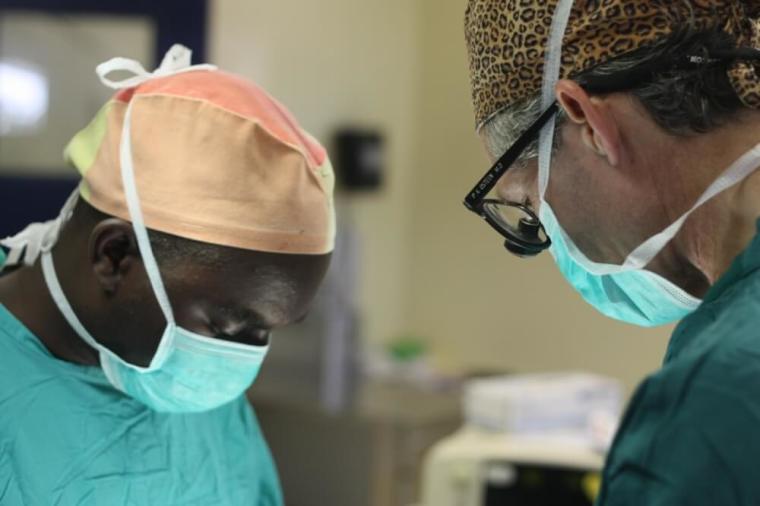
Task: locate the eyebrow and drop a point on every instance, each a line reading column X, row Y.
column 243, row 314
column 251, row 316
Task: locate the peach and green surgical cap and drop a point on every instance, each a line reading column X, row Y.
column 216, row 159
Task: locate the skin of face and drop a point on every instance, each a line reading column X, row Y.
column 241, row 296
column 618, row 178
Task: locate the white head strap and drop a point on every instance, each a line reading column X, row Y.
column 176, row 61
column 26, row 246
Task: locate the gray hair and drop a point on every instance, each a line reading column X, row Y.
column 683, row 101
column 503, row 129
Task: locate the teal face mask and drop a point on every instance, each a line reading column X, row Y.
column 626, row 292
column 189, row 372
column 638, row 297
column 200, row 374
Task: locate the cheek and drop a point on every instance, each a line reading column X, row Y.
column 604, row 212
column 520, row 184
column 192, row 310
column 582, row 204
column 131, row 322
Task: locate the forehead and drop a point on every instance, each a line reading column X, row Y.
column 277, row 286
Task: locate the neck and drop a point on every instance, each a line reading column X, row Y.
column 24, row 293
column 742, row 211
column 722, row 228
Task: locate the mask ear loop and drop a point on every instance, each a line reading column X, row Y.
column 640, row 257
column 737, row 172
column 143, row 241
column 177, row 60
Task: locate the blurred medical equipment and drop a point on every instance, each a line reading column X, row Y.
column 533, row 440
column 568, row 403
column 407, row 361
column 477, row 468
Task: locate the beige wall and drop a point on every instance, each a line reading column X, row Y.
column 429, row 267
column 335, row 62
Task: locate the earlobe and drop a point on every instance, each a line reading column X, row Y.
column 112, row 252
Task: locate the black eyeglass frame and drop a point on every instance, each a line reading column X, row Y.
column 529, row 243
column 476, row 200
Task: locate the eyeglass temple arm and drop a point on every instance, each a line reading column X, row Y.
column 602, row 84
column 487, row 182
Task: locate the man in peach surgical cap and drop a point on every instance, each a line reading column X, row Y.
column 131, row 326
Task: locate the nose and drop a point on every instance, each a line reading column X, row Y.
column 520, row 184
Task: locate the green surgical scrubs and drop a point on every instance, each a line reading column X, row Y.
column 691, row 435
column 67, row 437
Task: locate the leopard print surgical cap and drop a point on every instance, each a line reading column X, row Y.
column 507, row 40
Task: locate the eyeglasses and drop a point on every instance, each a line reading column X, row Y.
column 523, row 233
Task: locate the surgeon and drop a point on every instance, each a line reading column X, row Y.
column 625, row 136
column 131, row 326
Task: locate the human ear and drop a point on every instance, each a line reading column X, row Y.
column 113, row 252
column 599, row 129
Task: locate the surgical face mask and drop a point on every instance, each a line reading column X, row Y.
column 189, row 372
column 639, row 296
column 626, row 292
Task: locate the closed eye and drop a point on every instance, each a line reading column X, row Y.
column 258, row 337
column 240, row 332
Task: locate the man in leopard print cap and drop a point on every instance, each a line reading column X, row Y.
column 626, row 141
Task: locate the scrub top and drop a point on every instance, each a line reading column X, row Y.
column 691, row 435
column 67, row 437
